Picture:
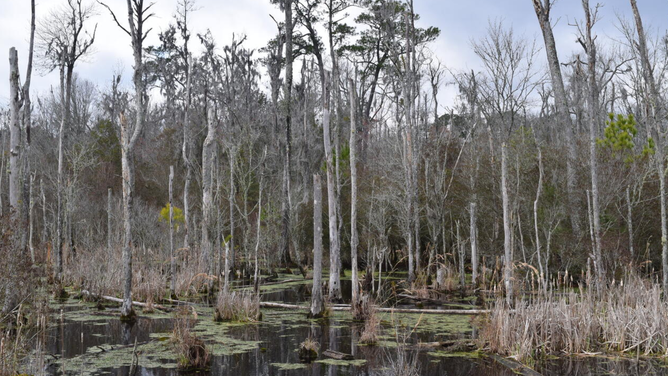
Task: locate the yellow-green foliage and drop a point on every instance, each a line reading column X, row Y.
column 177, row 216
column 619, row 134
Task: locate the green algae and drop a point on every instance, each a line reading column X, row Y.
column 446, row 354
column 289, row 366
column 343, row 363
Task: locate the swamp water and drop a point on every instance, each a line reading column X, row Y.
column 84, row 341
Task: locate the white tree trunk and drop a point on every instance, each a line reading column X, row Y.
column 14, row 132
column 474, row 244
column 629, row 221
column 353, row 192
column 334, row 249
column 317, row 307
column 208, row 150
column 109, row 225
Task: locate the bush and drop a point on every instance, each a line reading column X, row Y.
column 191, row 351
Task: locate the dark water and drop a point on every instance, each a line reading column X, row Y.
column 84, row 342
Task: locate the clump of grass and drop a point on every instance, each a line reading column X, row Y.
column 191, row 351
column 368, row 311
column 237, row 306
column 308, row 350
column 403, row 362
column 625, row 317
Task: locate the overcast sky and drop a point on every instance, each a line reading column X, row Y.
column 460, row 21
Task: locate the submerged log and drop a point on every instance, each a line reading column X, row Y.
column 515, row 366
column 346, row 307
column 337, row 355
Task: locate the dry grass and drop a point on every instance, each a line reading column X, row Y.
column 367, row 311
column 401, row 361
column 627, row 317
column 191, row 351
column 241, row 306
column 308, row 350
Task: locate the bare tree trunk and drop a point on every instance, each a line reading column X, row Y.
column 208, row 150
column 45, row 235
column 14, row 133
column 543, row 277
column 658, row 133
column 542, row 8
column 353, row 191
column 592, row 110
column 334, row 249
column 460, row 252
column 31, row 246
column 186, row 160
column 229, row 258
column 629, row 221
column 285, row 205
column 109, row 225
column 172, row 260
column 508, row 262
column 317, row 307
column 474, row 244
column 256, row 274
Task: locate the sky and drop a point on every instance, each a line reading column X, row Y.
column 460, row 22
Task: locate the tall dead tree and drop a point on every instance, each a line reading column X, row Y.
column 208, row 152
column 138, row 14
column 287, row 91
column 317, row 307
column 354, row 241
column 172, row 260
column 334, row 247
column 507, row 245
column 543, row 8
column 658, row 134
column 589, row 45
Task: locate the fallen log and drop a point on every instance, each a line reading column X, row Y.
column 346, row 307
column 337, row 355
column 118, row 300
column 462, row 345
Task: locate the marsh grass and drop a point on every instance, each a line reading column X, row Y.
column 241, row 306
column 191, row 351
column 627, row 317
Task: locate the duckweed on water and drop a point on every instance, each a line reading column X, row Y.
column 289, row 366
column 343, row 363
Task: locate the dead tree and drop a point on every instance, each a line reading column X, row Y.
column 657, row 111
column 285, row 205
column 543, row 8
column 592, row 111
column 138, row 14
column 507, row 246
column 172, row 260
column 353, row 191
column 317, row 306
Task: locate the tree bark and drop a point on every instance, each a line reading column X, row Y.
column 14, row 133
column 186, row 159
column 317, row 307
column 629, row 221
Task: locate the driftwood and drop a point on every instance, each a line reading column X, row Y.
column 118, row 300
column 517, row 367
column 337, row 355
column 346, row 307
